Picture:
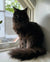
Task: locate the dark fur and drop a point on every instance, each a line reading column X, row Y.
column 30, row 34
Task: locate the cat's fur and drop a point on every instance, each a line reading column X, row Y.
column 30, row 34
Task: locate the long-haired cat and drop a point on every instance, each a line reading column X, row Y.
column 30, row 34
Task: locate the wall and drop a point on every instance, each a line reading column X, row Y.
column 42, row 17
column 33, row 2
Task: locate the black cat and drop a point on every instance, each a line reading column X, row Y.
column 30, row 34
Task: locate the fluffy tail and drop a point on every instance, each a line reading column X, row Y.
column 26, row 54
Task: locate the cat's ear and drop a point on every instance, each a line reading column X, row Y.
column 26, row 9
column 14, row 8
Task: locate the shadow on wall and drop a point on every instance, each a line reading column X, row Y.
column 46, row 28
column 46, row 1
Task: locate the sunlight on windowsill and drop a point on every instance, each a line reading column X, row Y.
column 9, row 45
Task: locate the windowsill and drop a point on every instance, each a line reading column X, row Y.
column 2, row 50
column 8, row 45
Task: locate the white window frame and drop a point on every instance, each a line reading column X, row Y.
column 27, row 3
column 31, row 9
column 24, row 3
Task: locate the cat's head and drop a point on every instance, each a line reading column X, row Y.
column 20, row 15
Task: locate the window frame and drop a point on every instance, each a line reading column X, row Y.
column 27, row 3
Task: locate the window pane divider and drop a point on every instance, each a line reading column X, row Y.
column 2, row 10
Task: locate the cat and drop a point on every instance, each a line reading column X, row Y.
column 31, row 37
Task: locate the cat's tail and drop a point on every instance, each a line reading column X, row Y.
column 26, row 54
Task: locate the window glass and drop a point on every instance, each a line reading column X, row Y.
column 8, row 35
column 1, row 5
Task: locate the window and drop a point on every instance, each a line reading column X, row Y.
column 6, row 14
column 2, row 29
column 9, row 32
column 6, row 31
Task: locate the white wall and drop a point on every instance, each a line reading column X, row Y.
column 42, row 16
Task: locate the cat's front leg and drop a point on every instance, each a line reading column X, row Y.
column 28, row 44
column 22, row 43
